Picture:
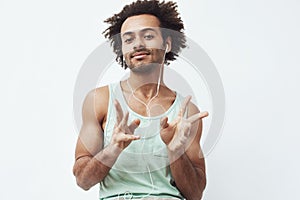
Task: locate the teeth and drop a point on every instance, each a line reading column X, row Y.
column 139, row 56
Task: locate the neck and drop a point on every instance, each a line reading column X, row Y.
column 146, row 85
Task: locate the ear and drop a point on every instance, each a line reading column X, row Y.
column 168, row 44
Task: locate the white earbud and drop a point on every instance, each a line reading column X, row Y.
column 124, row 62
column 167, row 47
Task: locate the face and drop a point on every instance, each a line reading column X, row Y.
column 142, row 42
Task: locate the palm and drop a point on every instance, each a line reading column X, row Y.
column 123, row 134
column 176, row 133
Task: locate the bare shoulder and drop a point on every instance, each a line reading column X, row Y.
column 197, row 127
column 96, row 101
column 192, row 109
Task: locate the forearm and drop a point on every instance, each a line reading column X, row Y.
column 190, row 180
column 92, row 170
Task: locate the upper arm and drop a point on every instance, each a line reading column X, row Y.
column 90, row 139
column 194, row 151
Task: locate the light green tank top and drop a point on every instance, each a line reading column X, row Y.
column 142, row 169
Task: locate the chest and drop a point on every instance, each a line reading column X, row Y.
column 149, row 108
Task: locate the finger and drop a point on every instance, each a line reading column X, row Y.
column 164, row 122
column 119, row 111
column 184, row 105
column 124, row 120
column 134, row 125
column 197, row 116
column 186, row 129
column 127, row 138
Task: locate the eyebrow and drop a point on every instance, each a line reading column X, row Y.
column 143, row 30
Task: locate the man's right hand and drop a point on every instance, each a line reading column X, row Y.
column 123, row 134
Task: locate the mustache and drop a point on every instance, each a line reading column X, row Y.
column 138, row 51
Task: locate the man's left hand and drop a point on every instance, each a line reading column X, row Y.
column 176, row 134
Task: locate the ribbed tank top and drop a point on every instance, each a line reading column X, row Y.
column 142, row 169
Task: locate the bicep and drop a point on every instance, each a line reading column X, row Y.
column 194, row 151
column 90, row 139
column 89, row 142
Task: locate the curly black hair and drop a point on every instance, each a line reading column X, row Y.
column 170, row 24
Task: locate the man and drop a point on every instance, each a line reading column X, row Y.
column 140, row 139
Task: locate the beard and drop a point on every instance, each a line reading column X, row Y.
column 154, row 59
column 144, row 67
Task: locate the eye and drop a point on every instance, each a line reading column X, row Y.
column 149, row 36
column 128, row 40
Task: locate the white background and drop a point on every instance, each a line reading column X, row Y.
column 254, row 45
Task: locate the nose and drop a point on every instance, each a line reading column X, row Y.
column 138, row 44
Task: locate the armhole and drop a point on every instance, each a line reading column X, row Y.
column 108, row 113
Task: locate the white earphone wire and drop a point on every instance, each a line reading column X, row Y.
column 127, row 194
column 157, row 88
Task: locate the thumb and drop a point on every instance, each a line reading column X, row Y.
column 164, row 122
column 134, row 125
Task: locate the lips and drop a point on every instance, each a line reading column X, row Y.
column 140, row 54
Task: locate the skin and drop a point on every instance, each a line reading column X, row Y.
column 144, row 50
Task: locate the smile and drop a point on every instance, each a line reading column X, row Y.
column 140, row 55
